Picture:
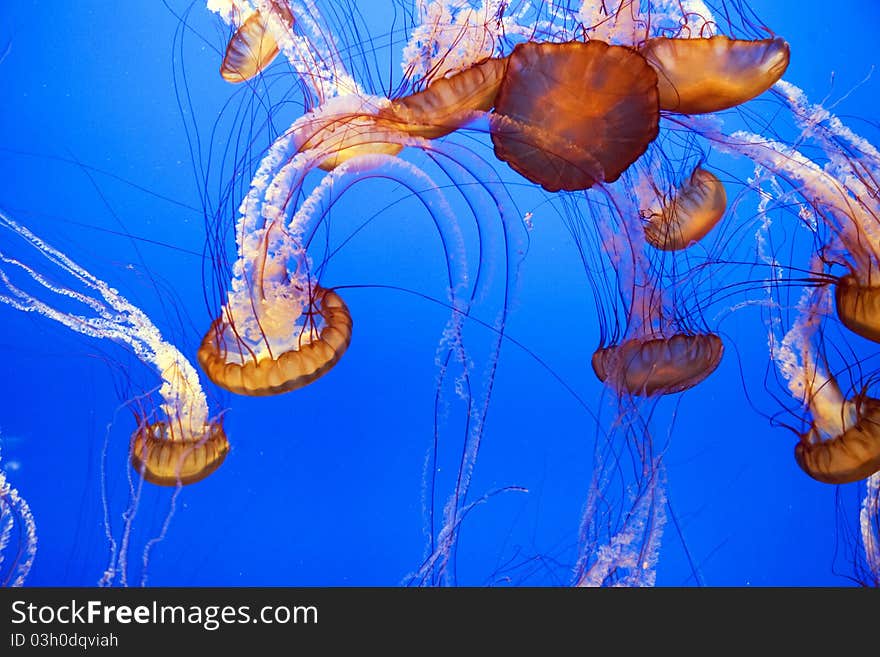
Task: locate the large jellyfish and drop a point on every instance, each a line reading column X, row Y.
column 573, row 114
column 701, row 75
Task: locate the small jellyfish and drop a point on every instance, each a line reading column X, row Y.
column 570, row 115
column 696, row 76
column 695, row 208
column 165, row 459
column 449, row 102
column 843, row 445
column 109, row 315
column 658, row 366
column 297, row 355
column 252, row 47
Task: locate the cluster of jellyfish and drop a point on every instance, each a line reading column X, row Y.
column 591, row 102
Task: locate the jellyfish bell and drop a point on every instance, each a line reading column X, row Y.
column 858, row 307
column 570, row 115
column 297, row 355
column 166, row 458
column 852, row 451
column 658, row 366
column 450, row 102
column 346, row 127
column 694, row 210
column 252, row 47
column 696, row 76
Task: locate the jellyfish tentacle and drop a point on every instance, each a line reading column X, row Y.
column 18, row 535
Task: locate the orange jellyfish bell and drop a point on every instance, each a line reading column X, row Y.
column 696, row 76
column 165, row 458
column 689, row 216
column 252, row 48
column 850, row 456
column 317, row 349
column 658, row 366
column 858, row 307
column 570, row 115
column 344, row 128
column 450, row 102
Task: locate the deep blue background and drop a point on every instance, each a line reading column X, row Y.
column 325, row 486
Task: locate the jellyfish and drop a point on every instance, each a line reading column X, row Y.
column 450, row 102
column 696, row 76
column 687, row 217
column 280, row 328
column 252, row 48
column 653, row 345
column 848, row 450
column 310, row 351
column 186, row 445
column 264, row 28
column 166, row 461
column 356, row 124
column 858, row 306
column 661, row 365
column 18, row 535
column 570, row 115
